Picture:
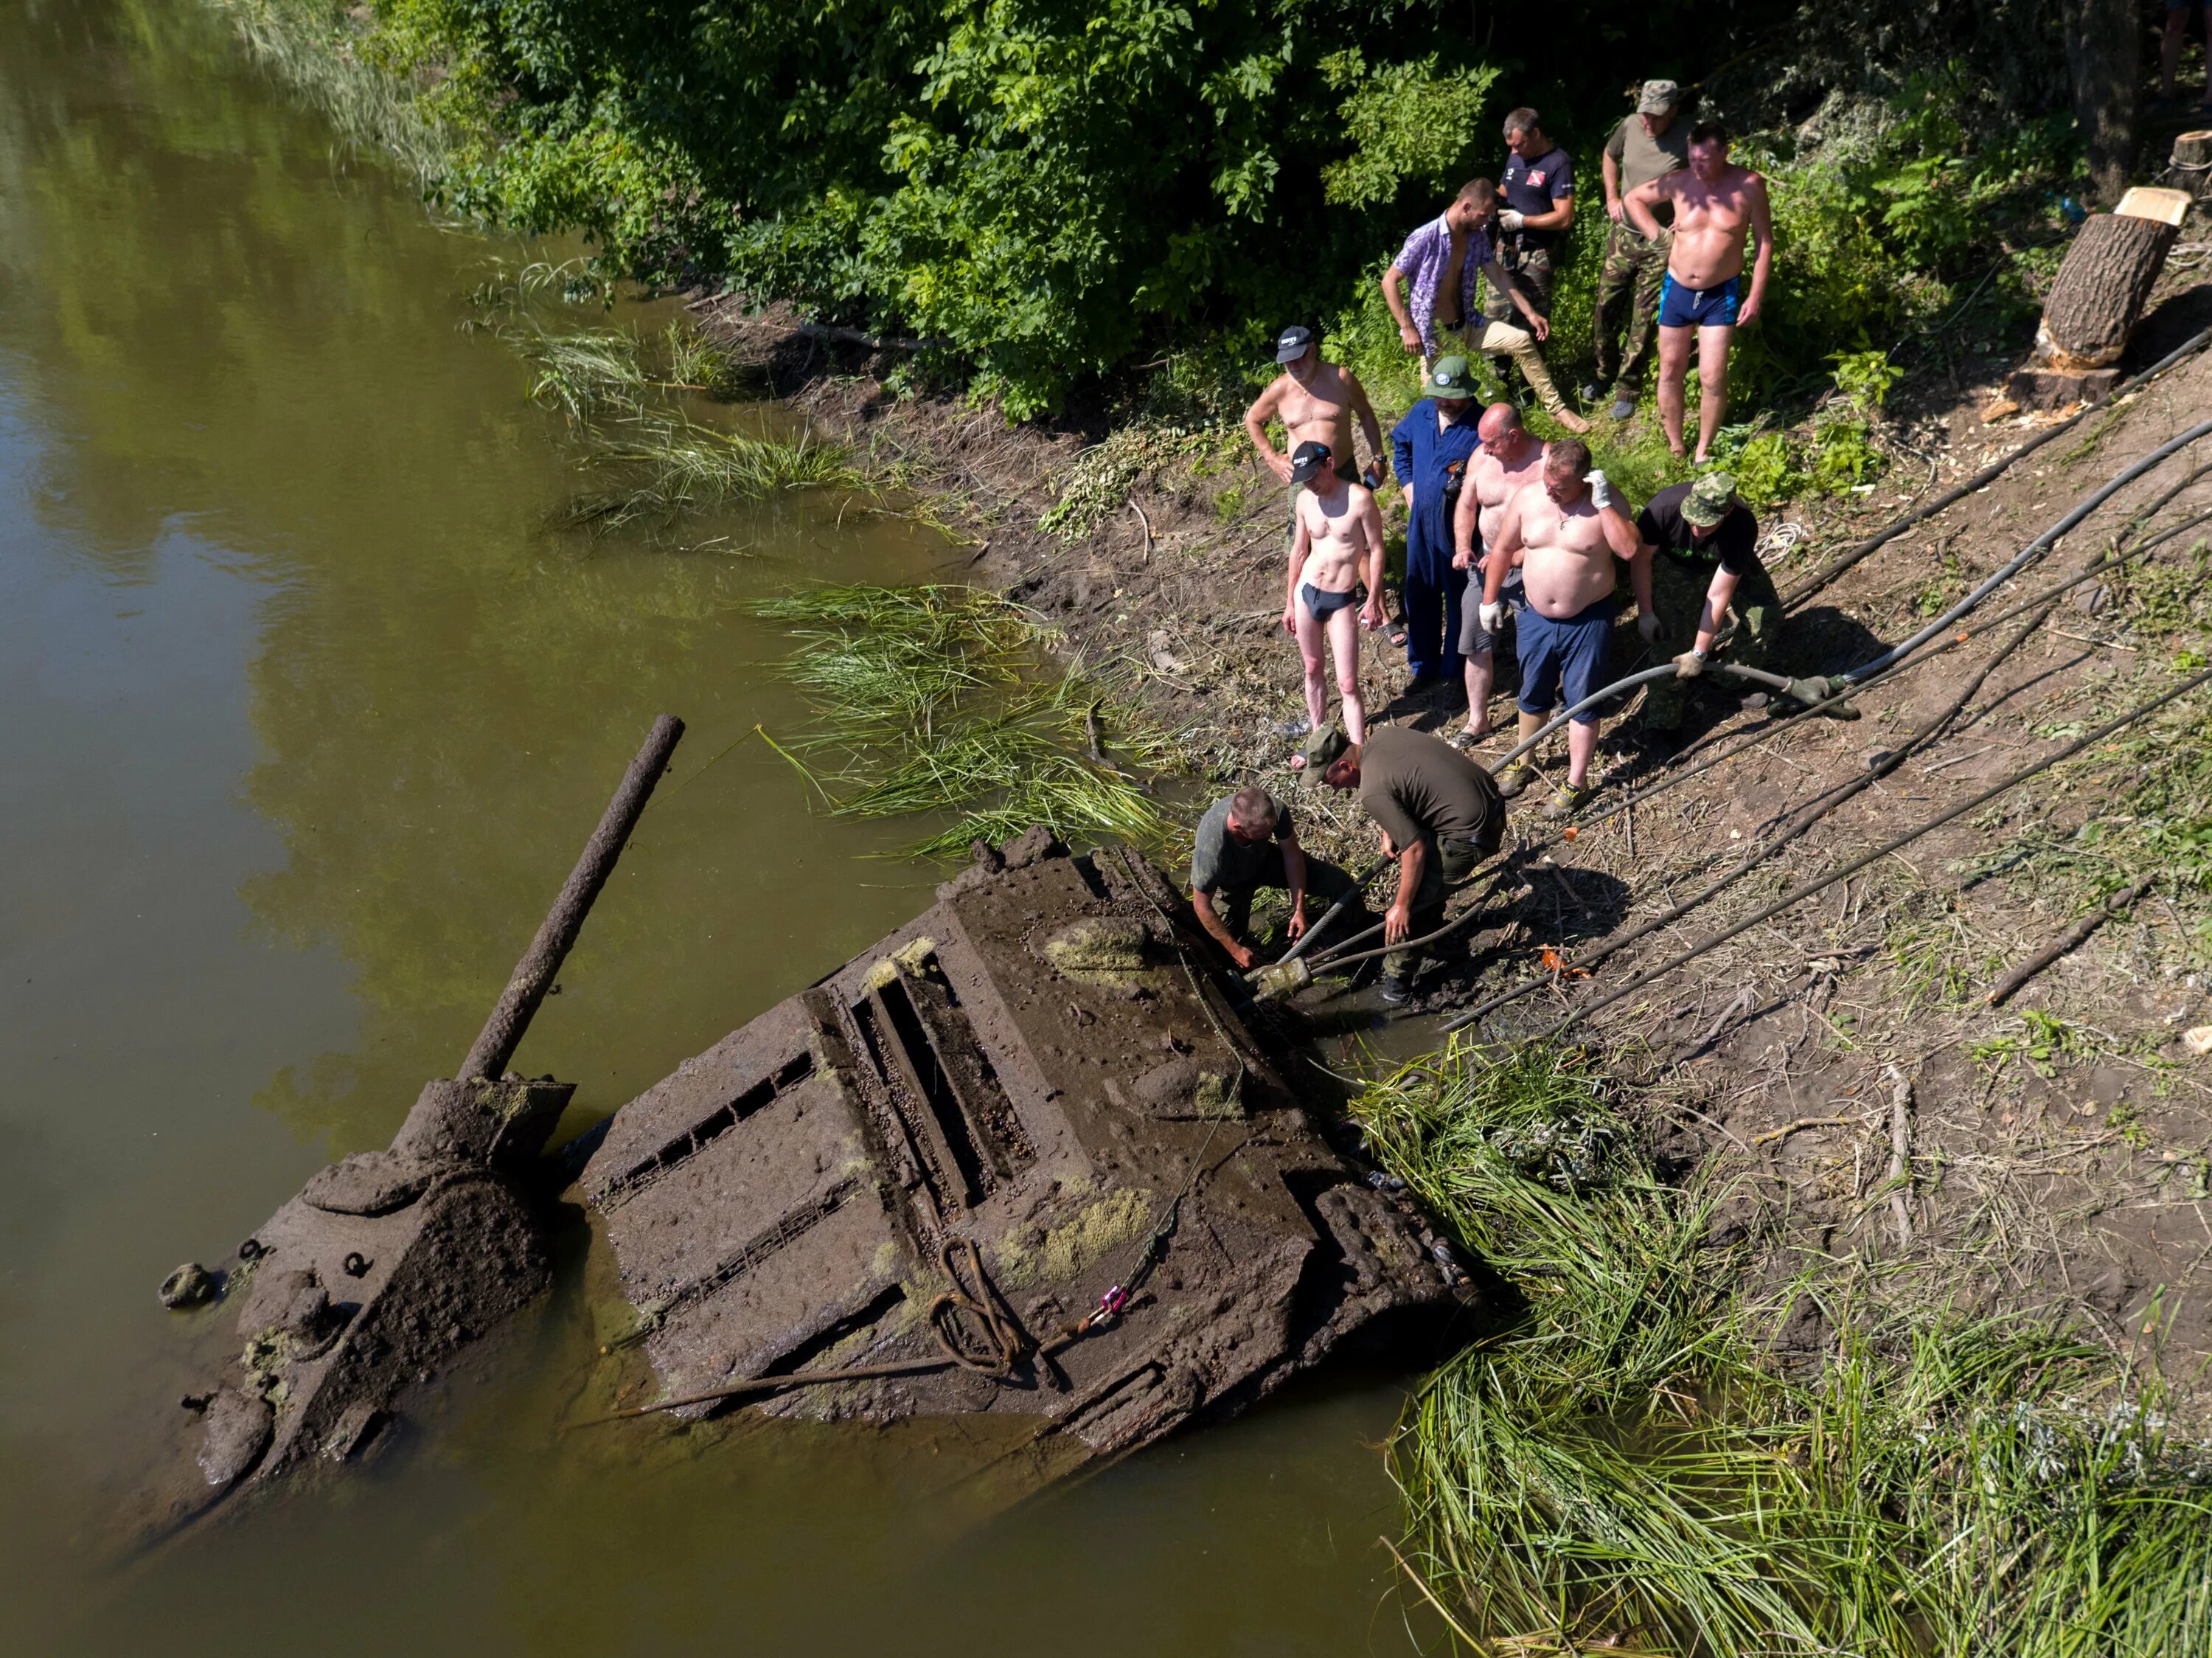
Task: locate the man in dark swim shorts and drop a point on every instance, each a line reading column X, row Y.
column 1688, row 308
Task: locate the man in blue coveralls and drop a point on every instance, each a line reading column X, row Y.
column 1430, row 449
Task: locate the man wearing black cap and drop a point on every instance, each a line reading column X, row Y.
column 1336, row 541
column 1318, row 402
column 1440, row 815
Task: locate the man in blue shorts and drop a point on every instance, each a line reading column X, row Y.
column 1565, row 532
column 1718, row 208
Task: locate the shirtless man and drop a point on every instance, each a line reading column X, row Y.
column 1318, row 402
column 1717, row 205
column 1335, row 531
column 1507, row 458
column 1565, row 532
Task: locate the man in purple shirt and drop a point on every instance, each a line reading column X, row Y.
column 1431, row 291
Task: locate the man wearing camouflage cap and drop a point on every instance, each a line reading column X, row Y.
column 1706, row 566
column 1650, row 143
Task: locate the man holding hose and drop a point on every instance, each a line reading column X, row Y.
column 1439, row 815
column 1247, row 842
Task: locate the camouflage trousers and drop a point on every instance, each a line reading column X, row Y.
column 1634, row 270
column 1678, row 593
column 1531, row 270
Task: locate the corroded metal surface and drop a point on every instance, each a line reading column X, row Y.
column 1030, row 1065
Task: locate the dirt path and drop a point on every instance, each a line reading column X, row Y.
column 1839, row 1058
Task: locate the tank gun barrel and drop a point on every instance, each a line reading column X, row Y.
column 534, row 975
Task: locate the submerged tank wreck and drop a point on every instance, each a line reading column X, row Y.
column 1026, row 1157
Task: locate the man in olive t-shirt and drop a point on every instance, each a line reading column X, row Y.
column 1247, row 841
column 1650, row 143
column 1440, row 814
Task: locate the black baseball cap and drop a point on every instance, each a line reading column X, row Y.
column 1294, row 343
column 1307, row 459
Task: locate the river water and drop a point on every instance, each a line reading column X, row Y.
column 306, row 706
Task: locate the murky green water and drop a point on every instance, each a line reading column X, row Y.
column 304, row 711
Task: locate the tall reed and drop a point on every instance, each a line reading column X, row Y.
column 1623, row 1463
column 930, row 700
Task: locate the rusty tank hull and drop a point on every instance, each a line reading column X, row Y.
column 1024, row 1159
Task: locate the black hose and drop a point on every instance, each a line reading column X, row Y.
column 1980, row 480
column 1844, row 871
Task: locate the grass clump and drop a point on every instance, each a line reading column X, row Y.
column 587, row 373
column 1624, row 1465
column 671, row 465
column 931, row 698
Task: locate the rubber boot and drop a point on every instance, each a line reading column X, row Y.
column 1522, row 772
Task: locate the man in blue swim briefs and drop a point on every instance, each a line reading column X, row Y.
column 1718, row 206
column 1565, row 532
column 1336, row 540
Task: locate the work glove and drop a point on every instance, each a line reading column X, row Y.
column 1491, row 612
column 1648, row 625
column 1689, row 665
column 1508, row 220
column 1600, row 491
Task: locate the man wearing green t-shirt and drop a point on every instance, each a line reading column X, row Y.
column 1648, row 144
column 1246, row 842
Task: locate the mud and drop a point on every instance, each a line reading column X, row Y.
column 2074, row 1180
column 1035, row 1066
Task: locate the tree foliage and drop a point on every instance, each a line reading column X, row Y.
column 1041, row 186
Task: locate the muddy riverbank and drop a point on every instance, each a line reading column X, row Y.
column 2059, row 1148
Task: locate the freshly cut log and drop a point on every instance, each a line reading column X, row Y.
column 2192, row 151
column 2100, row 290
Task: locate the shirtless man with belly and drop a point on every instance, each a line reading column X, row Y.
column 1565, row 532
column 1717, row 206
column 1508, row 457
column 1318, row 402
column 1336, row 537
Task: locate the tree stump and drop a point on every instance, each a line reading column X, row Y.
column 2100, row 290
column 2189, row 167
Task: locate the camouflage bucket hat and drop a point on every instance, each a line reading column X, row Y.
column 1658, row 97
column 1450, row 378
column 1711, row 499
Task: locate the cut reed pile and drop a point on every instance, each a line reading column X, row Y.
column 930, row 699
column 1625, row 1465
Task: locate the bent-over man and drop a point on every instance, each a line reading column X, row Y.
column 1717, row 207
column 1649, row 144
column 1318, row 402
column 1507, row 458
column 1565, row 532
column 1245, row 842
column 1706, row 564
column 1430, row 290
column 1336, row 539
column 1439, row 815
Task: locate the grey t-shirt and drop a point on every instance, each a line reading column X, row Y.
column 1219, row 859
column 1642, row 158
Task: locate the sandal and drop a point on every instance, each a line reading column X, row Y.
column 1395, row 633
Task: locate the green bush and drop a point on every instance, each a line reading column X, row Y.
column 1050, row 193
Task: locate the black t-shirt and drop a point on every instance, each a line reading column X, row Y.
column 1537, row 187
column 1412, row 783
column 1733, row 545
